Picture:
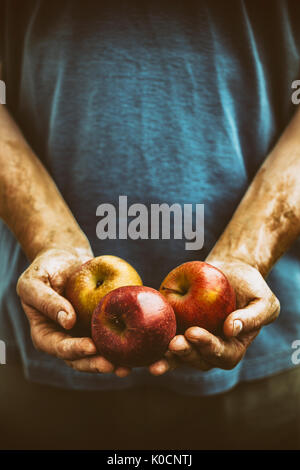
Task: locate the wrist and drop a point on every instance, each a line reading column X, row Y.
column 70, row 239
column 266, row 222
column 239, row 245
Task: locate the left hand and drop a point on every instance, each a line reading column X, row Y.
column 256, row 306
column 51, row 315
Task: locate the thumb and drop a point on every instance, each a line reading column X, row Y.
column 257, row 313
column 44, row 299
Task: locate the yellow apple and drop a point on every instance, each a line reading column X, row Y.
column 93, row 280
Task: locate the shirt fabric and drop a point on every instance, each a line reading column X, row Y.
column 165, row 102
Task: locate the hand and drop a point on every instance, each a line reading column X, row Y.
column 256, row 306
column 40, row 289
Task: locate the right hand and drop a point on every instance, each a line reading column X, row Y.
column 40, row 289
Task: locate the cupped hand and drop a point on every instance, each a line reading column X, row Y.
column 256, row 306
column 41, row 289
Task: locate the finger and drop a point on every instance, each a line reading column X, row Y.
column 256, row 314
column 180, row 346
column 44, row 299
column 122, row 371
column 95, row 364
column 167, row 363
column 159, row 367
column 187, row 353
column 196, row 360
column 215, row 350
column 47, row 338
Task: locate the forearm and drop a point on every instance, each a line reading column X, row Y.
column 30, row 202
column 267, row 220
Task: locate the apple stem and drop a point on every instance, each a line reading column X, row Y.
column 174, row 291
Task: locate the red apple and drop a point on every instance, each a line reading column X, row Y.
column 132, row 326
column 200, row 295
column 93, row 280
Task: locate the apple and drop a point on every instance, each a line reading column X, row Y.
column 93, row 280
column 132, row 326
column 200, row 295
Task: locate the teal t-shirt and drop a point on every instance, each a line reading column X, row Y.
column 164, row 102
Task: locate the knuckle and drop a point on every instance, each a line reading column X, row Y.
column 20, row 284
column 61, row 349
column 215, row 349
column 24, row 279
column 276, row 306
column 92, row 364
column 44, row 307
column 255, row 323
column 218, row 351
column 273, row 307
column 95, row 366
column 47, row 306
column 82, row 346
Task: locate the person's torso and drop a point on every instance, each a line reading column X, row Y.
column 161, row 102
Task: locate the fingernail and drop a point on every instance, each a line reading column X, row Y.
column 62, row 317
column 237, row 327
